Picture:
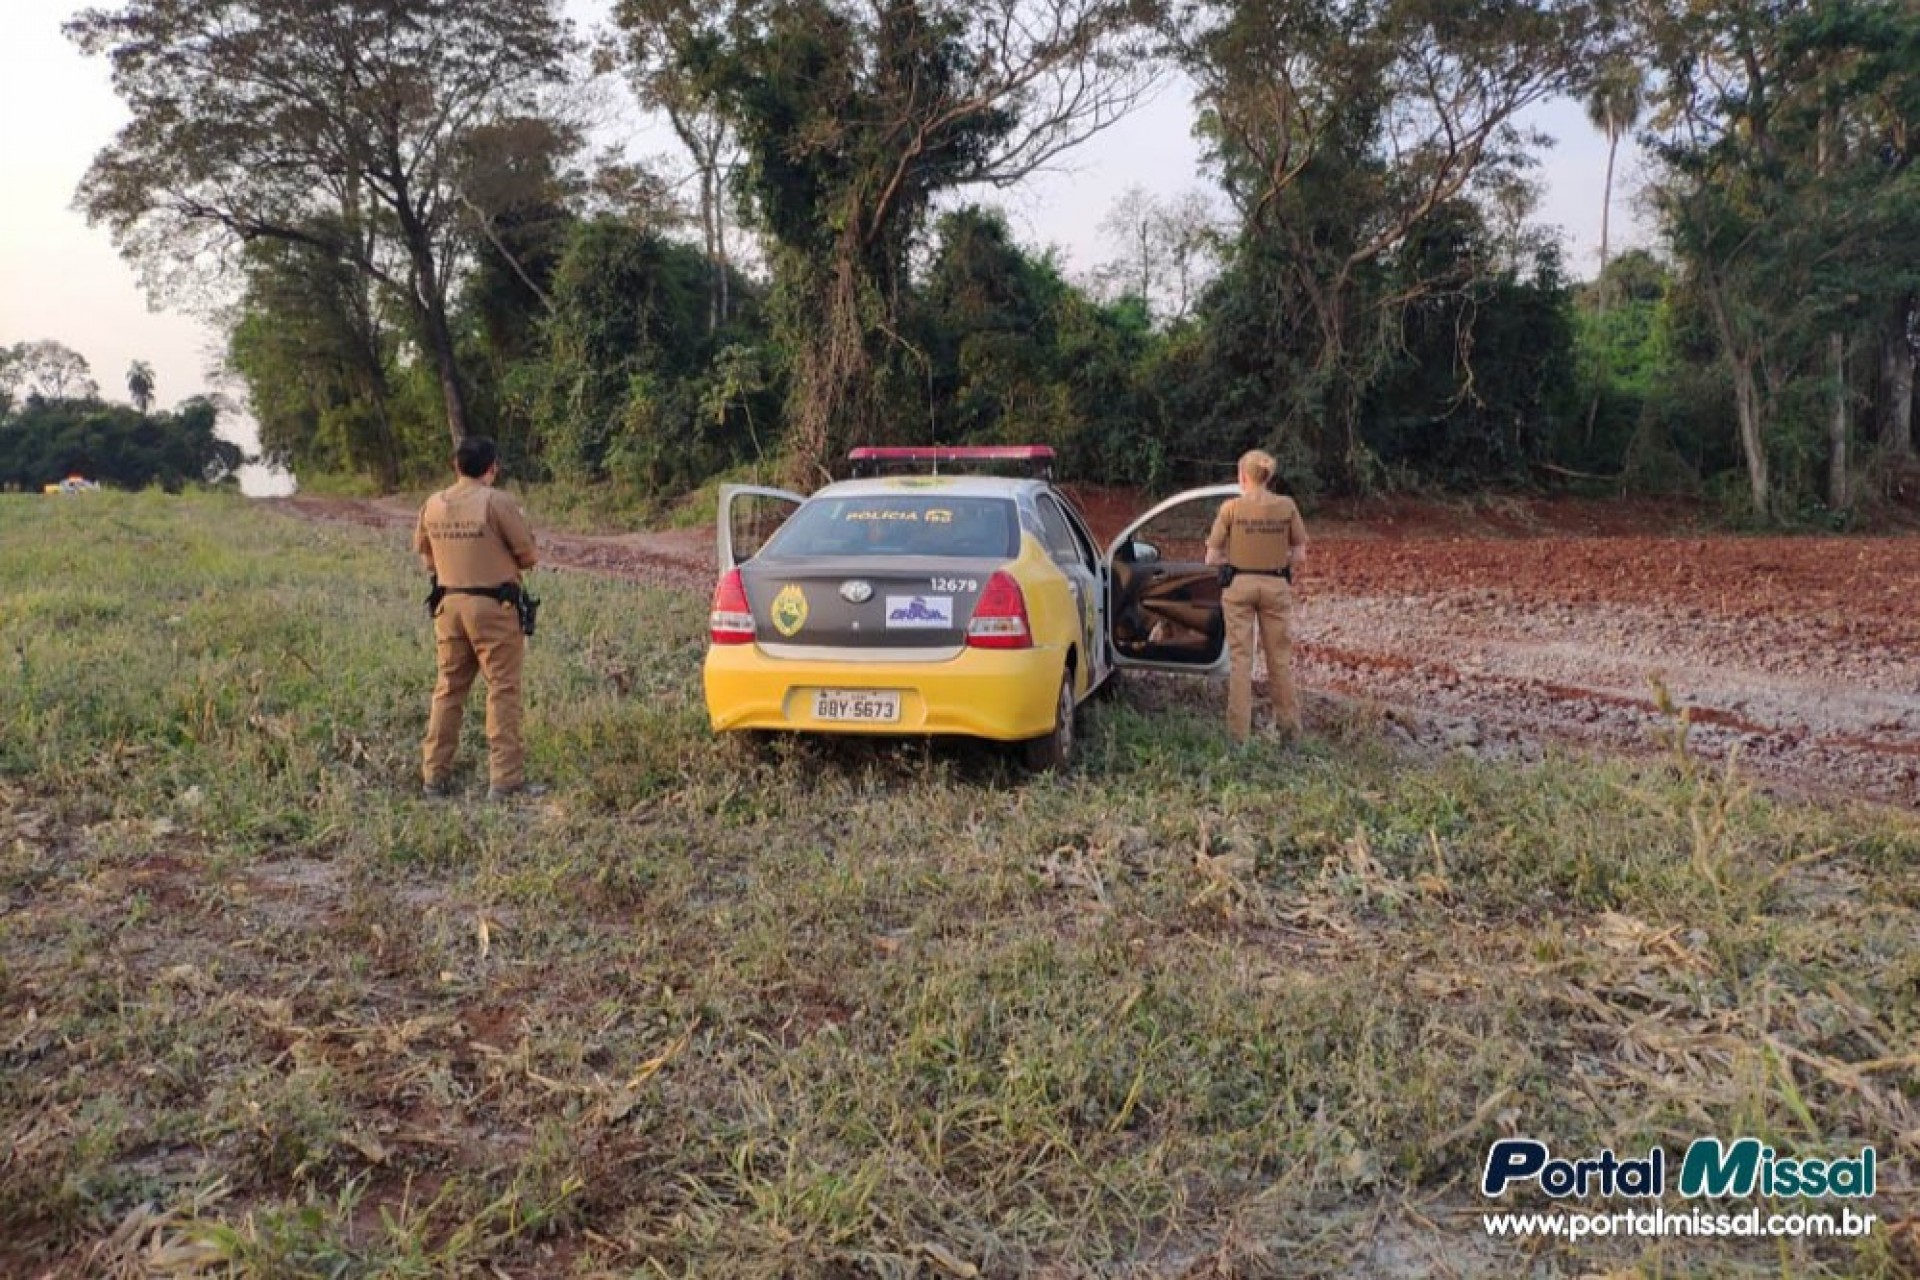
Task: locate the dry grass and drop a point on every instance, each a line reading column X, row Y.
column 848, row 1009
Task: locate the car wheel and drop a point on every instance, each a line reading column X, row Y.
column 1053, row 752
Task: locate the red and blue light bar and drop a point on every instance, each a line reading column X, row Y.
column 870, row 460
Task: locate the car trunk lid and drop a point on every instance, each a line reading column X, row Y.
column 907, row 607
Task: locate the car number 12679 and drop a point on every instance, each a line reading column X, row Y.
column 954, row 584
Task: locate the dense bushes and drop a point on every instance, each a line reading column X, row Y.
column 44, row 441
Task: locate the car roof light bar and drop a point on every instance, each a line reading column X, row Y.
column 872, row 460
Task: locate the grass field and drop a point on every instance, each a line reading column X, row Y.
column 850, row 1009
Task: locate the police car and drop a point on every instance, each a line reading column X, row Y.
column 924, row 598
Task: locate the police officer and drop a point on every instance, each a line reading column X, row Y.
column 475, row 541
column 1262, row 536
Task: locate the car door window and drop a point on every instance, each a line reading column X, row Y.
column 1088, row 550
column 749, row 517
column 1066, row 550
column 1165, row 604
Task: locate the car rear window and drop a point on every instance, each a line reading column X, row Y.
column 899, row 525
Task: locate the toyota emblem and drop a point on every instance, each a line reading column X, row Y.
column 856, row 591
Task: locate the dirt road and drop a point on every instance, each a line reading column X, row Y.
column 1499, row 631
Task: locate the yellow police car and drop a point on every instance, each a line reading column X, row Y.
column 944, row 602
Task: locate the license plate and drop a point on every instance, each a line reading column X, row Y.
column 865, row 706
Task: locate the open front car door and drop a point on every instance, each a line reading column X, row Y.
column 1163, row 613
column 749, row 515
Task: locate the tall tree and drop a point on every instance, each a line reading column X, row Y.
column 1339, row 129
column 276, row 118
column 1168, row 250
column 309, row 340
column 48, row 370
column 1613, row 106
column 659, row 34
column 140, row 385
column 853, row 115
column 1791, row 198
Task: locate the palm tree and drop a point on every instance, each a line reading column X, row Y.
column 1614, row 101
column 140, row 384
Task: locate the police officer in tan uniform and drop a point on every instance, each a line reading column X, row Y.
column 474, row 540
column 1262, row 536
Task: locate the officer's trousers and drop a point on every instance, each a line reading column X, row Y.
column 1258, row 601
column 474, row 635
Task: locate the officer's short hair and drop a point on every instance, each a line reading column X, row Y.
column 475, row 456
column 1258, row 465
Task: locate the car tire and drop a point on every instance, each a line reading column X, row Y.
column 1052, row 752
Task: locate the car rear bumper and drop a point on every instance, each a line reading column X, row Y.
column 1005, row 695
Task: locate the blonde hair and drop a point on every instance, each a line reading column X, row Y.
column 1257, row 465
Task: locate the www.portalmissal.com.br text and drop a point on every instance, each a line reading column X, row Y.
column 1709, row 1172
column 1693, row 1223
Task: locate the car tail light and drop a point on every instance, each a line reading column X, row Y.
column 731, row 621
column 1000, row 619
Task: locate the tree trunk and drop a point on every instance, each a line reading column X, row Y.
column 1839, row 429
column 1746, row 398
column 429, row 302
column 1600, row 280
column 716, row 254
column 722, row 286
column 833, row 376
column 1747, row 402
column 449, row 370
column 373, row 377
column 1606, row 213
column 1896, row 365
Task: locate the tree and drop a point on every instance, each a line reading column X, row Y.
column 140, row 385
column 47, row 370
column 310, row 341
column 1337, row 130
column 627, row 337
column 341, row 125
column 985, row 322
column 1169, row 250
column 1613, row 105
column 659, row 32
column 853, row 114
column 1791, row 199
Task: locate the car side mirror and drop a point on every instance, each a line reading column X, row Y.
column 1145, row 552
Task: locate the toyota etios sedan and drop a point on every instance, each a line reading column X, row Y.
column 943, row 602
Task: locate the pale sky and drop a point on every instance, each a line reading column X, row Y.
column 63, row 280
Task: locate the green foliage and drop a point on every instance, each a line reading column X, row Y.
column 376, row 136
column 47, row 369
column 852, row 119
column 1339, row 134
column 1482, row 378
column 49, row 440
column 1002, row 349
column 1790, row 199
column 321, row 357
column 626, row 391
column 1382, row 316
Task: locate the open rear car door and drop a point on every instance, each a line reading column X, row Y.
column 1164, row 608
column 749, row 515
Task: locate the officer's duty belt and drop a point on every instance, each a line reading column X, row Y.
column 505, row 593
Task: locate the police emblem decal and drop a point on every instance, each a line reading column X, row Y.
column 789, row 609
